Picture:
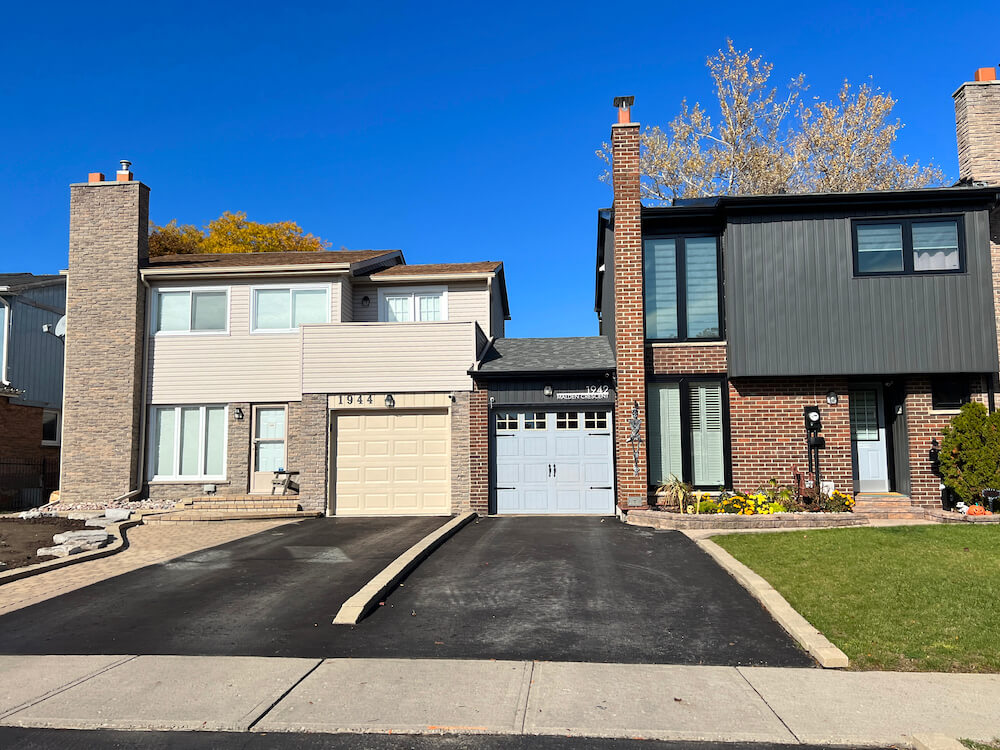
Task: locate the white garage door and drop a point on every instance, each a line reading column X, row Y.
column 391, row 464
column 554, row 462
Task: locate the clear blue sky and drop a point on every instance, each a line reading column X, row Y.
column 455, row 132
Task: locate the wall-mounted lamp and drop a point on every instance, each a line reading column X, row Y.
column 366, row 301
column 832, row 398
column 238, row 413
column 547, row 390
column 389, row 401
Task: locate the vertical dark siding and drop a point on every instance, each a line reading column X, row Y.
column 794, row 307
column 608, row 288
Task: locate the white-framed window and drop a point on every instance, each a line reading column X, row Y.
column 188, row 443
column 567, row 420
column 285, row 308
column 507, row 420
column 186, row 311
column 51, row 427
column 413, row 304
column 595, row 420
column 534, row 420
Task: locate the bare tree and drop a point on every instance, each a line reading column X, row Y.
column 765, row 142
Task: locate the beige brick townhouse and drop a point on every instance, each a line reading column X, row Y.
column 189, row 374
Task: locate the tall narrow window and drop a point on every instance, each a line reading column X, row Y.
column 702, row 291
column 681, row 280
column 708, row 458
column 664, row 433
column 686, row 432
column 660, row 281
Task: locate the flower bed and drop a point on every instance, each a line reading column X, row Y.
column 658, row 519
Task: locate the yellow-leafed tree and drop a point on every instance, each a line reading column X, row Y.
column 231, row 233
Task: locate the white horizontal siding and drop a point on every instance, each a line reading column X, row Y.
column 369, row 357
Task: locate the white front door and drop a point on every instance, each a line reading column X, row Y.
column 554, row 462
column 868, row 442
column 268, row 446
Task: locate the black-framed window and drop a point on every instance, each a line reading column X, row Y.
column 688, row 431
column 950, row 392
column 682, row 288
column 893, row 247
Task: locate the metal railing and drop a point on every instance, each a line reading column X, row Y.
column 27, row 483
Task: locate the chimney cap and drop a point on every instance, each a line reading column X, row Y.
column 125, row 165
column 624, row 101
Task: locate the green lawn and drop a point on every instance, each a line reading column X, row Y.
column 912, row 598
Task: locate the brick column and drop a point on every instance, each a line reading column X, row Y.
column 460, row 455
column 479, row 450
column 105, row 329
column 629, row 323
column 308, row 434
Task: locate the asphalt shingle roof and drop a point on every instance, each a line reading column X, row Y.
column 430, row 269
column 571, row 354
column 19, row 279
column 226, row 260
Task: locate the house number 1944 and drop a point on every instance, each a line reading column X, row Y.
column 355, row 398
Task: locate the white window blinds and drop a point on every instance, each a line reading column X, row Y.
column 707, row 452
column 664, row 432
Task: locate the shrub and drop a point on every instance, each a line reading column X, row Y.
column 970, row 452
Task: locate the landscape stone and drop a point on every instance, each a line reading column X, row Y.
column 85, row 538
column 60, row 550
column 101, row 522
column 85, row 515
column 117, row 514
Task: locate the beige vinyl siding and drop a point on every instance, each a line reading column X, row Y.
column 380, row 357
column 467, row 300
column 226, row 368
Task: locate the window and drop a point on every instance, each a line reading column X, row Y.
column 948, row 393
column 534, row 420
column 50, row 427
column 287, row 308
column 595, row 420
column 863, row 411
column 191, row 311
column 506, row 421
column 682, row 288
column 567, row 420
column 687, row 437
column 908, row 246
column 189, row 442
column 407, row 305
column 269, row 438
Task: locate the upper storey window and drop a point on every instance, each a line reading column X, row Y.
column 284, row 308
column 407, row 305
column 682, row 288
column 199, row 310
column 908, row 246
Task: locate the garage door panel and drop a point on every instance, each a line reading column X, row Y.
column 596, row 473
column 507, row 474
column 567, row 472
column 535, row 472
column 596, row 446
column 597, row 500
column 566, row 447
column 536, row 500
column 508, row 446
column 391, row 464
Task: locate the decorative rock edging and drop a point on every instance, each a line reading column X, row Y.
column 944, row 516
column 812, row 640
column 119, row 543
column 656, row 519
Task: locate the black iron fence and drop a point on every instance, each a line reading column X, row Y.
column 26, row 483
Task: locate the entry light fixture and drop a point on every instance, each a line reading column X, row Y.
column 547, row 390
column 389, row 401
column 366, row 301
column 832, row 398
column 238, row 413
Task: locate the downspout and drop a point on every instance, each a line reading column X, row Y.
column 142, row 401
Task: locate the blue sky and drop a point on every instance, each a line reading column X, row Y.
column 455, row 132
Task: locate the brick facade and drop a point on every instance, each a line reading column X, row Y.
column 21, row 428
column 630, row 344
column 687, row 359
column 308, row 449
column 479, row 450
column 105, row 316
column 460, row 469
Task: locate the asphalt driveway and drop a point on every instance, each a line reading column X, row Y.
column 543, row 588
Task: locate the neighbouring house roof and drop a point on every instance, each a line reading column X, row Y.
column 15, row 282
column 441, row 269
column 581, row 354
column 210, row 261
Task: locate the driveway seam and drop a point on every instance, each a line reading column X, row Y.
column 69, row 685
column 753, row 687
column 284, row 695
column 527, row 694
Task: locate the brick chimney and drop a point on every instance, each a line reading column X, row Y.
column 629, row 313
column 105, row 325
column 977, row 124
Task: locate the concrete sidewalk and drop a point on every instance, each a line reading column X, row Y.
column 748, row 704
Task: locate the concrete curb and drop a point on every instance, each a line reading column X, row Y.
column 367, row 598
column 935, row 742
column 813, row 641
column 120, row 544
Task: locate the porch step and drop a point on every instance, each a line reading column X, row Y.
column 192, row 516
column 889, row 505
column 240, row 502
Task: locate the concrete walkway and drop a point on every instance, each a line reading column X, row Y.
column 748, row 704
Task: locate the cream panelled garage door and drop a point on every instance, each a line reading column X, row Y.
column 391, row 464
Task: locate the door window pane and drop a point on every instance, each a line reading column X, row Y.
column 935, row 246
column 660, row 281
column 208, row 311
column 664, row 433
column 309, row 306
column 880, row 248
column 701, row 269
column 190, row 444
column 708, row 461
column 271, row 424
column 397, row 308
column 215, row 440
column 272, row 310
column 864, row 415
column 173, row 311
column 270, row 456
column 163, row 442
column 429, row 307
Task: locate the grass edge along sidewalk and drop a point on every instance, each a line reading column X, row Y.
column 909, row 598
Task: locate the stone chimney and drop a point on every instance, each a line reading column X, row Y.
column 977, row 124
column 629, row 312
column 105, row 325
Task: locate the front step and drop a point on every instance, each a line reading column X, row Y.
column 240, row 502
column 890, row 505
column 193, row 516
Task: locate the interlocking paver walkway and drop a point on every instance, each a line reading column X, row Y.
column 148, row 545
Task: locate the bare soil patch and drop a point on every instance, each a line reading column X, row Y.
column 20, row 538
